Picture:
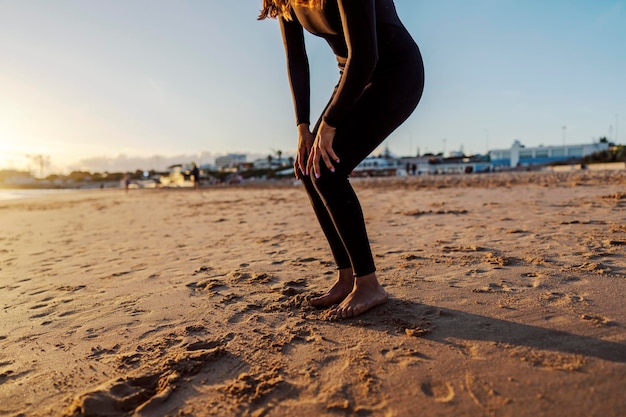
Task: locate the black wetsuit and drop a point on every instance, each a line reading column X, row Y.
column 381, row 82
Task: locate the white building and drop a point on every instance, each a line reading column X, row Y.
column 519, row 155
column 229, row 161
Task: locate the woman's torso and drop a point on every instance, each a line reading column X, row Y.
column 326, row 23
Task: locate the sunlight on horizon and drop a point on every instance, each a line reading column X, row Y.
column 24, row 155
column 11, row 157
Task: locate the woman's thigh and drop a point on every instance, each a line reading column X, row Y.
column 385, row 104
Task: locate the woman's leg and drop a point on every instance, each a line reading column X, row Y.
column 342, row 260
column 385, row 104
column 345, row 279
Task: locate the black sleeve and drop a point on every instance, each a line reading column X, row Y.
column 358, row 18
column 297, row 68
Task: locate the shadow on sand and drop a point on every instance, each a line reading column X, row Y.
column 444, row 324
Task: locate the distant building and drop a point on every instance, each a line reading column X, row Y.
column 416, row 165
column 229, row 161
column 459, row 165
column 519, row 155
column 377, row 166
column 272, row 163
column 437, row 164
column 16, row 178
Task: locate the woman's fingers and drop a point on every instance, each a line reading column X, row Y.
column 323, row 149
column 327, row 161
column 312, row 162
column 326, row 157
column 333, row 155
column 296, row 170
column 300, row 165
column 305, row 143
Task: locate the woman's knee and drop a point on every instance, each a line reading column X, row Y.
column 333, row 187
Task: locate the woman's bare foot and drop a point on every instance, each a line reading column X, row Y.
column 340, row 290
column 367, row 294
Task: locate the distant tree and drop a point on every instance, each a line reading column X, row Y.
column 78, row 176
column 604, row 140
column 616, row 154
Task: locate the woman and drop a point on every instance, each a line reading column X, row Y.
column 381, row 81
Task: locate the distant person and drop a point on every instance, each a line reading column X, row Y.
column 126, row 181
column 381, row 81
column 195, row 174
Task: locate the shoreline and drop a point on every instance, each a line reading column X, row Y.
column 508, row 178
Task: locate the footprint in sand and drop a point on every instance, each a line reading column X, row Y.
column 291, row 288
column 441, row 392
column 546, row 359
column 562, row 299
column 124, row 396
column 597, row 320
column 536, row 279
column 497, row 260
column 249, row 388
column 211, row 284
column 261, row 278
column 143, row 394
column 483, row 393
column 195, row 329
column 406, row 357
column 492, row 287
column 245, row 277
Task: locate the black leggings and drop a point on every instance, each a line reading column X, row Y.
column 390, row 98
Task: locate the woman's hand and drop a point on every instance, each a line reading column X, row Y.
column 305, row 142
column 322, row 149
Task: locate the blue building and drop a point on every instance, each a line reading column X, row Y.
column 519, row 155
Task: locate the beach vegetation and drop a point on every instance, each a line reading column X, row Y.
column 613, row 154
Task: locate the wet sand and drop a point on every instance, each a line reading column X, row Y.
column 506, row 299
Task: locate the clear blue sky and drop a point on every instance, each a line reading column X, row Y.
column 95, row 84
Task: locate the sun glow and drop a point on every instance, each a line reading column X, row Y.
column 19, row 155
column 11, row 156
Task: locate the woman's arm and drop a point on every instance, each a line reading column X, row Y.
column 358, row 19
column 297, row 68
column 299, row 80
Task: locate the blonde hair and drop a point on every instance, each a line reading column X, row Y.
column 282, row 8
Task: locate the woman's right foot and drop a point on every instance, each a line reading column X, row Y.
column 367, row 294
column 338, row 292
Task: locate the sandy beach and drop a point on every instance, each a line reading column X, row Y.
column 506, row 299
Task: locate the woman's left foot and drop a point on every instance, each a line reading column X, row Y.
column 338, row 292
column 366, row 294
